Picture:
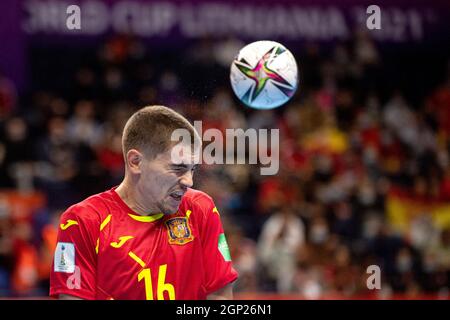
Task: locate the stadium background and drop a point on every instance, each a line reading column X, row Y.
column 364, row 150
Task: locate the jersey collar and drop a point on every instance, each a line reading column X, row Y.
column 133, row 215
column 151, row 218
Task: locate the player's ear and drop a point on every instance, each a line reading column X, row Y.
column 134, row 160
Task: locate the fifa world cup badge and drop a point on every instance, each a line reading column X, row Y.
column 179, row 231
column 64, row 258
column 63, row 261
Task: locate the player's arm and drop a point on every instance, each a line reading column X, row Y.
column 220, row 273
column 225, row 293
column 73, row 273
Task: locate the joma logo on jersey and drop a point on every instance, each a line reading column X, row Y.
column 179, row 231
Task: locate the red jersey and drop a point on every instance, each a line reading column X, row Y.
column 105, row 251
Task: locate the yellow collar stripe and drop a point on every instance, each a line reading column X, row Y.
column 147, row 218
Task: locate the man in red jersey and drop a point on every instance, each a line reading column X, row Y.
column 151, row 237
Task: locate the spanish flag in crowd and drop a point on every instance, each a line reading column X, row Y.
column 403, row 208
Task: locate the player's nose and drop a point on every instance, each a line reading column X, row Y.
column 187, row 180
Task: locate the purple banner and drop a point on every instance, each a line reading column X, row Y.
column 42, row 22
column 288, row 20
column 12, row 42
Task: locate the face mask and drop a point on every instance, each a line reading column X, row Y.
column 371, row 228
column 430, row 264
column 319, row 234
column 367, row 196
column 370, row 156
column 404, row 264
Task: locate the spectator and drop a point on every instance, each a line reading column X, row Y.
column 281, row 237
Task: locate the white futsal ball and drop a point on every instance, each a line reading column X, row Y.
column 264, row 75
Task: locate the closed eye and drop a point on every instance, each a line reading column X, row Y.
column 180, row 167
column 183, row 167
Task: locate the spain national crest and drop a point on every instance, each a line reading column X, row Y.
column 179, row 231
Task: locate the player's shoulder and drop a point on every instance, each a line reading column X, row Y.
column 90, row 209
column 200, row 203
column 198, row 198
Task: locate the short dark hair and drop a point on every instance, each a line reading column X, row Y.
column 149, row 130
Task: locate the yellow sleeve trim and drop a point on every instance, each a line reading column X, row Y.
column 146, row 218
column 188, row 213
column 137, row 259
column 102, row 226
column 105, row 222
column 68, row 224
column 216, row 211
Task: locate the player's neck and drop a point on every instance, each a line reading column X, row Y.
column 132, row 199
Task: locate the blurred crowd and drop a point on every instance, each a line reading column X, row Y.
column 358, row 143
